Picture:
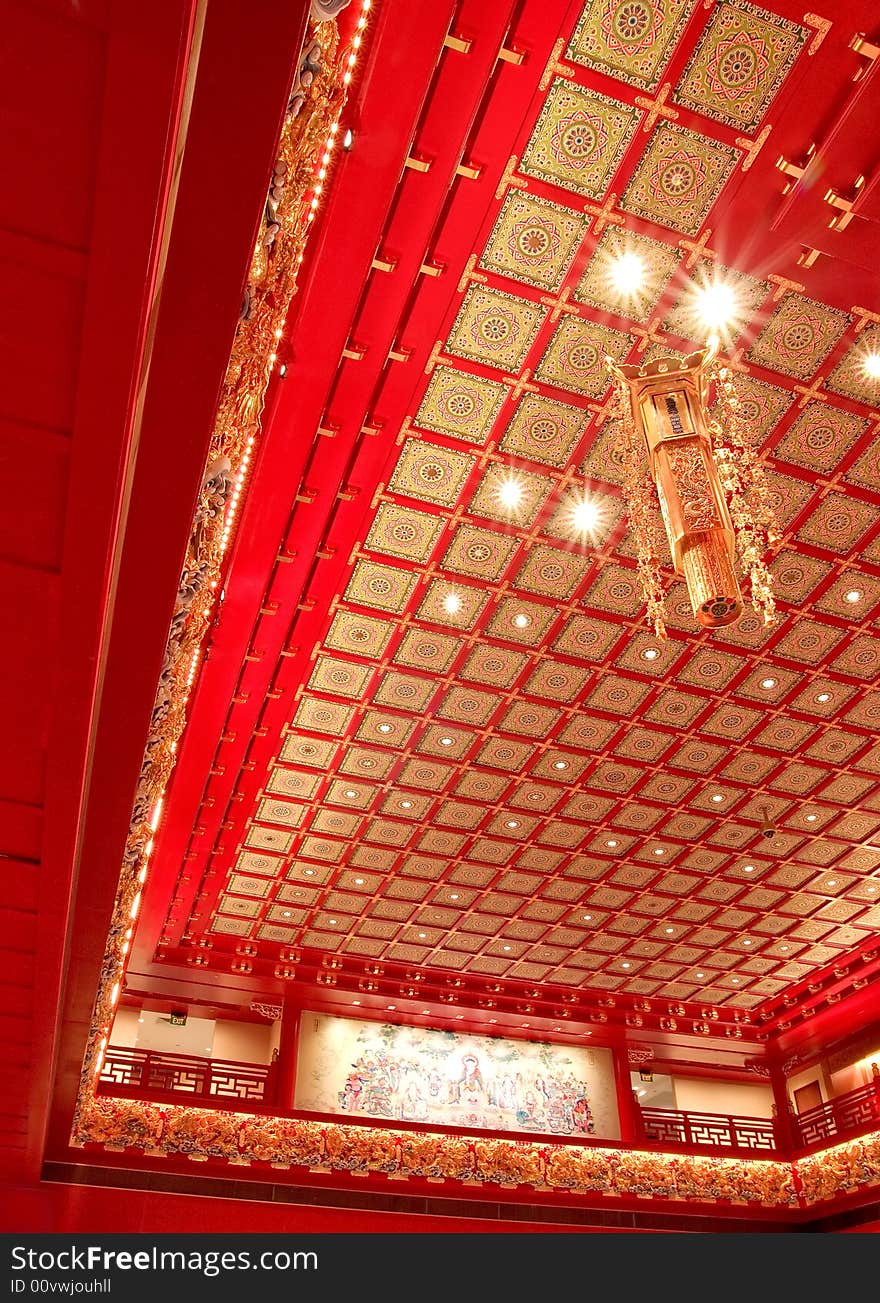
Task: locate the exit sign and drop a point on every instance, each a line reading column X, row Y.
column 178, row 1018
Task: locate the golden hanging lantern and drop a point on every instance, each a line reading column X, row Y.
column 703, row 477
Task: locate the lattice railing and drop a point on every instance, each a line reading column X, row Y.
column 148, row 1072
column 848, row 1114
column 708, row 1130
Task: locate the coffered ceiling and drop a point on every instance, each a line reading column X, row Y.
column 523, row 799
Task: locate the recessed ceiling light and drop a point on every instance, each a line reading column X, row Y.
column 735, row 981
column 587, row 917
column 585, row 515
column 332, row 921
column 355, row 1001
column 452, row 603
column 823, row 697
column 391, row 1006
column 701, row 975
column 871, row 366
column 446, row 741
column 717, row 797
column 453, row 895
column 612, row 842
column 854, row 595
column 627, row 272
column 832, row 882
column 384, row 728
column 716, row 305
column 560, row 764
column 521, row 621
column 349, row 792
column 872, row 891
column 359, row 882
column 746, row 941
column 422, row 936
column 748, row 868
column 626, row 964
column 670, row 929
column 659, row 850
column 406, row 805
column 811, row 818
column 287, row 913
column 768, row 682
column 512, row 823
column 510, row 492
column 785, row 948
column 505, row 947
column 650, row 654
column 310, row 873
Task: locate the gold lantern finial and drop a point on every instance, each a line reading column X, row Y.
column 705, row 479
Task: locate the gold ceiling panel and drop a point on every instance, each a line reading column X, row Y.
column 533, row 240
column 495, row 328
column 427, row 471
column 460, row 405
column 579, row 139
column 574, row 356
column 679, row 178
column 544, row 430
column 404, row 532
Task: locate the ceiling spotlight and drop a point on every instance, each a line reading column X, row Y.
column 854, row 595
column 287, row 913
column 746, row 941
column 701, row 975
column 811, row 818
column 670, row 930
column 560, row 764
column 384, row 728
column 650, row 654
column 453, row 895
column 332, row 922
column 452, row 603
column 584, row 515
column 359, row 882
column 823, row 697
column 310, row 873
column 587, row 917
column 735, row 981
column 626, row 964
column 717, row 797
column 627, row 273
column 832, row 882
column 768, row 683
column 748, row 868
column 659, row 850
column 871, row 366
column 422, row 936
column 612, row 842
column 512, row 823
column 348, row 139
column 716, row 305
column 406, row 805
column 521, row 621
column 505, row 947
column 446, row 741
column 510, row 492
column 350, row 793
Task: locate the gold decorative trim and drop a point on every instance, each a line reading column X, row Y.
column 548, row 1169
column 319, row 91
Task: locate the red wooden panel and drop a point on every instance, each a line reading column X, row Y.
column 33, row 472
column 28, row 605
column 50, row 122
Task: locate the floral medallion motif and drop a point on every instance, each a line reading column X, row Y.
column 551, row 572
column 543, row 430
column 574, row 357
column 849, row 377
column 460, row 405
column 837, row 523
column 425, row 470
column 495, row 328
column 629, row 39
column 533, row 240
column 798, row 337
column 679, row 178
column 820, row 437
column 579, row 139
column 740, row 64
column 479, row 552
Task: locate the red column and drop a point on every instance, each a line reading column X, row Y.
column 783, row 1120
column 627, row 1106
column 288, row 1048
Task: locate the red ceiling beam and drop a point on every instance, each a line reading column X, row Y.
column 244, row 76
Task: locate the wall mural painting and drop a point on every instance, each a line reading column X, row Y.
column 413, row 1074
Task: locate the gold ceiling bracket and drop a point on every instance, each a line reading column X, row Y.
column 417, row 164
column 353, row 352
column 845, row 207
column 555, row 67
column 384, row 264
column 510, row 56
column 469, row 274
column 822, row 26
column 795, row 171
column 657, row 107
column 783, row 284
column 468, row 172
column 508, row 179
column 457, row 43
column 752, row 148
column 431, row 269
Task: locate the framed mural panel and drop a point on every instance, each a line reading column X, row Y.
column 414, row 1074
